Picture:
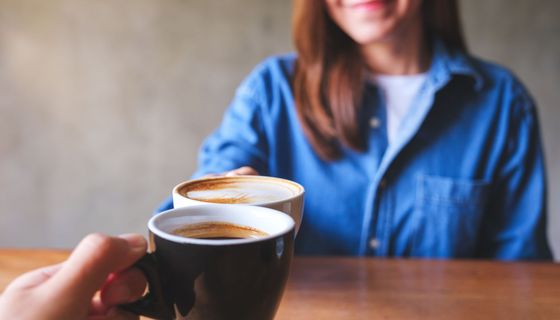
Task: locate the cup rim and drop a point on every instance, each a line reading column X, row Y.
column 300, row 190
column 184, row 211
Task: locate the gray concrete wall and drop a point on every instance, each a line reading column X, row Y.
column 103, row 103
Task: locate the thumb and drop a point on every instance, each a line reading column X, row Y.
column 89, row 265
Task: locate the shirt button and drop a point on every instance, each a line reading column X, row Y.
column 374, row 122
column 373, row 243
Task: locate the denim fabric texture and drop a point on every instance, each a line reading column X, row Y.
column 465, row 177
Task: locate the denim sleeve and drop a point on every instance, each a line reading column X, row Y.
column 515, row 227
column 167, row 204
column 240, row 139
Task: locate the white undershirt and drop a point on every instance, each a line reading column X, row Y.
column 398, row 92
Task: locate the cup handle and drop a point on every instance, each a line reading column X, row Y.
column 152, row 304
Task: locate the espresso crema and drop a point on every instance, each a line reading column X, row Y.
column 218, row 231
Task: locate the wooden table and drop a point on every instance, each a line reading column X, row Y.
column 354, row 288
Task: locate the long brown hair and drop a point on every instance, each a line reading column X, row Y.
column 329, row 75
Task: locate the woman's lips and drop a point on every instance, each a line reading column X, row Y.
column 369, row 5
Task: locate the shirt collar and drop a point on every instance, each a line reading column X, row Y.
column 447, row 63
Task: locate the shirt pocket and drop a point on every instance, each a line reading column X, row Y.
column 447, row 215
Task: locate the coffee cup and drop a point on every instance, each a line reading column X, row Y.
column 275, row 193
column 216, row 262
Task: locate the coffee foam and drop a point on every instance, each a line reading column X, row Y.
column 243, row 192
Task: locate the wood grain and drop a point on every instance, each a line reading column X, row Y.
column 350, row 288
column 365, row 288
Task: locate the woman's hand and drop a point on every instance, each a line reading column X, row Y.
column 89, row 285
column 242, row 171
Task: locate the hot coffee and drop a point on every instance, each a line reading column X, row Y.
column 193, row 276
column 275, row 193
column 218, row 231
column 239, row 190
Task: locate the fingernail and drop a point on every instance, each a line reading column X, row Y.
column 135, row 241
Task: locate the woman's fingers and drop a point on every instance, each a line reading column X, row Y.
column 242, row 171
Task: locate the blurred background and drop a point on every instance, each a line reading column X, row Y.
column 103, row 104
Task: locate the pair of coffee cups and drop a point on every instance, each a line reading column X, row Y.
column 224, row 251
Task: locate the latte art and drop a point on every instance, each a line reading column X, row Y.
column 243, row 192
column 271, row 192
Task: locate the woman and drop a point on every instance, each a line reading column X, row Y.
column 406, row 145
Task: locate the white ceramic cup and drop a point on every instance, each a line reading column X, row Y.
column 275, row 193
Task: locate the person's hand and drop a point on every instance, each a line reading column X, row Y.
column 89, row 285
column 242, row 171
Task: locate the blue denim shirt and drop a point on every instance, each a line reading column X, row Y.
column 465, row 177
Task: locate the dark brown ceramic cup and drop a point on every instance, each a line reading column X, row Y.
column 197, row 278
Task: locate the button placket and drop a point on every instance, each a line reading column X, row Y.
column 375, row 118
column 377, row 243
